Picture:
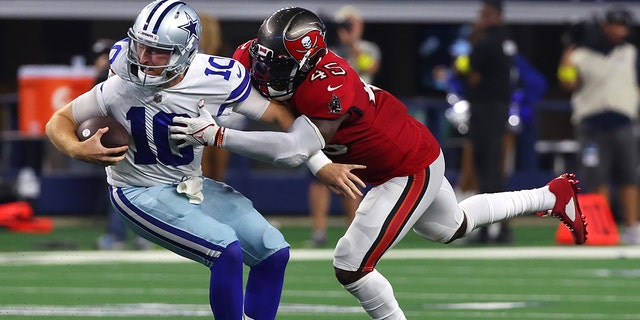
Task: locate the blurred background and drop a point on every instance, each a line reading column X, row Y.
column 48, row 51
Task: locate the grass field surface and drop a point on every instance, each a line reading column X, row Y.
column 532, row 279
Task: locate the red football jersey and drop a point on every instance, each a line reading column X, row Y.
column 242, row 54
column 379, row 132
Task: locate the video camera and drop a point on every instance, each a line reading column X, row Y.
column 346, row 25
column 587, row 32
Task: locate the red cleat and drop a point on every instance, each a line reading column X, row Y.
column 567, row 209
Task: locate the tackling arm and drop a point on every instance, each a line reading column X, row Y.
column 279, row 114
column 287, row 149
column 301, row 143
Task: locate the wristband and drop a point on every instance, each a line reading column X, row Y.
column 316, row 161
column 219, row 137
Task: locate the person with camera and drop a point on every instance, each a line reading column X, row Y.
column 364, row 56
column 600, row 67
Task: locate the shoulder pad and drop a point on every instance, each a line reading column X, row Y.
column 118, row 58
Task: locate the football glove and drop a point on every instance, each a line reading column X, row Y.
column 202, row 130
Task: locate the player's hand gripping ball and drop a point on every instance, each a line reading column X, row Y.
column 117, row 136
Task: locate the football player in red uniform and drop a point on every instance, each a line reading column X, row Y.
column 361, row 124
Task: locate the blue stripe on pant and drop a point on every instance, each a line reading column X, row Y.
column 198, row 232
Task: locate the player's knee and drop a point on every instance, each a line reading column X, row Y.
column 273, row 239
column 276, row 261
column 439, row 234
column 342, row 251
column 347, row 277
column 270, row 244
column 461, row 232
column 232, row 254
column 341, row 262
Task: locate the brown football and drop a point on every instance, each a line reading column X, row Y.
column 117, row 135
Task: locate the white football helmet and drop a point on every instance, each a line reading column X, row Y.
column 166, row 25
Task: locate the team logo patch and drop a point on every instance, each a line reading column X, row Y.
column 298, row 47
column 306, row 42
column 191, row 28
column 334, row 105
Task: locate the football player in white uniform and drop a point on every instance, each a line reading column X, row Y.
column 156, row 185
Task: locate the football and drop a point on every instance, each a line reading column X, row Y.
column 117, row 135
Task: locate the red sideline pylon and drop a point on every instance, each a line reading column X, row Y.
column 601, row 227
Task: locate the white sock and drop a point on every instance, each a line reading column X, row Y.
column 488, row 208
column 376, row 297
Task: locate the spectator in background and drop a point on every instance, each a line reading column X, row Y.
column 100, row 50
column 117, row 232
column 600, row 68
column 488, row 85
column 364, row 58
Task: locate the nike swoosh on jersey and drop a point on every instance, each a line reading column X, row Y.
column 330, row 88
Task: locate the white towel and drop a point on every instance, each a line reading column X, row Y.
column 192, row 188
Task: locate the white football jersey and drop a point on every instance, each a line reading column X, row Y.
column 146, row 112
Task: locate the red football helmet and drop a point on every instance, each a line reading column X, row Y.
column 289, row 43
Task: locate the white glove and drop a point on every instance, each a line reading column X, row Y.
column 202, row 130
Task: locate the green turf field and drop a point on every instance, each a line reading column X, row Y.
column 532, row 279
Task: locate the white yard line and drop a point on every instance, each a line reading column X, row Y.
column 192, row 310
column 561, row 252
column 465, row 311
column 156, row 309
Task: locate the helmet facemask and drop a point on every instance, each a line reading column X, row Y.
column 275, row 77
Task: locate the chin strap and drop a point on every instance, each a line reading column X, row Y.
column 303, row 62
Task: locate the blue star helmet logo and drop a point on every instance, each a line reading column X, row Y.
column 191, row 27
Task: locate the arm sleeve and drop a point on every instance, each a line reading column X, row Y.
column 253, row 107
column 283, row 149
column 316, row 161
column 87, row 106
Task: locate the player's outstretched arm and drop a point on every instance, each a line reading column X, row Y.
column 278, row 114
column 336, row 176
column 339, row 179
column 285, row 149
